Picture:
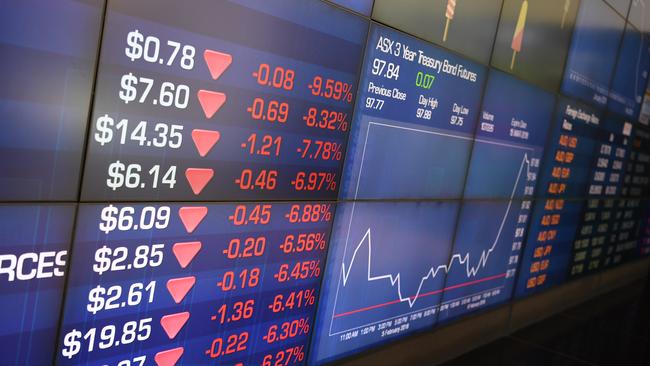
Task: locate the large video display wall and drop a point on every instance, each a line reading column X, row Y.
column 291, row 182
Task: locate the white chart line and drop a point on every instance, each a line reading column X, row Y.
column 432, row 273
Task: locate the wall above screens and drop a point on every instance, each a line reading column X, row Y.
column 218, row 101
column 467, row 27
column 532, row 40
column 298, row 181
column 360, row 6
column 601, row 215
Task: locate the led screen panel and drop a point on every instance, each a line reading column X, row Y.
column 360, row 6
column 467, row 27
column 564, row 179
column 46, row 70
column 621, row 6
column 533, row 39
column 592, row 56
column 414, row 120
column 199, row 283
column 631, row 75
column 485, row 256
column 227, row 100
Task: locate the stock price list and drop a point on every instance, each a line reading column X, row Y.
column 231, row 284
column 229, row 100
column 564, row 183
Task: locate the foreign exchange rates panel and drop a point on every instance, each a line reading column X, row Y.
column 385, row 274
column 592, row 56
column 227, row 100
column 639, row 15
column 225, row 283
column 565, row 176
column 599, row 218
column 644, row 111
column 34, row 244
column 47, row 69
column 414, row 120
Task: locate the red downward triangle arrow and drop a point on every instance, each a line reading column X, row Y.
column 192, row 217
column 217, row 62
column 179, row 287
column 211, row 101
column 185, row 252
column 173, row 323
column 169, row 357
column 198, row 178
column 204, row 140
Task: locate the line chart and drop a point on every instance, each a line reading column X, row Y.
column 433, row 217
column 429, row 282
column 471, row 271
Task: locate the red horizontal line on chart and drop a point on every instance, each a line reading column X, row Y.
column 421, row 295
